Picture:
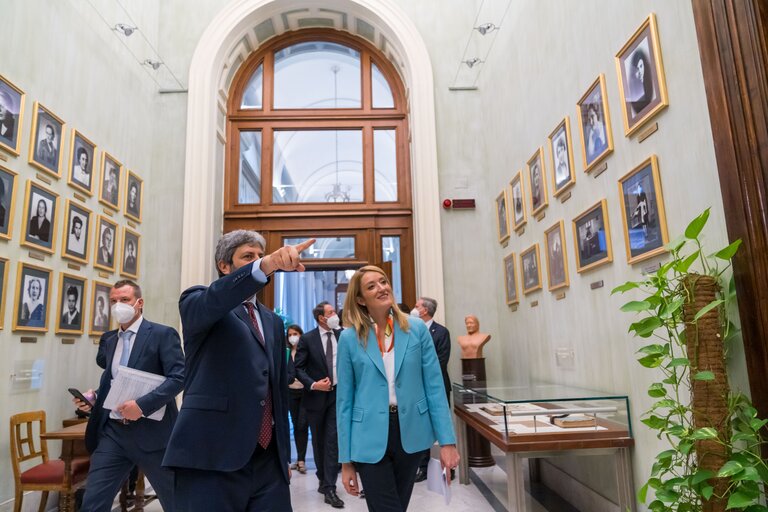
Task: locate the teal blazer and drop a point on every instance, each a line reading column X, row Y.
column 362, row 395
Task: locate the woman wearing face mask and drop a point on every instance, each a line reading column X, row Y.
column 295, row 406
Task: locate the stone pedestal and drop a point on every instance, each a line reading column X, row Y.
column 478, row 448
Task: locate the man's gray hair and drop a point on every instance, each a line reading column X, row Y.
column 228, row 244
column 429, row 304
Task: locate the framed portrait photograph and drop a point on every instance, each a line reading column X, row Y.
column 11, row 113
column 561, row 156
column 592, row 237
column 77, row 230
column 510, row 280
column 7, row 202
column 595, row 124
column 101, row 317
column 642, row 211
column 519, row 214
column 70, row 313
column 133, row 196
column 557, row 259
column 531, row 268
column 109, row 190
column 82, row 155
column 537, row 182
column 640, row 70
column 104, row 242
column 33, row 290
column 502, row 217
column 129, row 261
column 40, row 209
column 4, row 265
column 45, row 151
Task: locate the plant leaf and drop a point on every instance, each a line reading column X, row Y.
column 629, row 285
column 702, row 475
column 645, row 327
column 739, row 500
column 654, row 422
column 694, row 228
column 728, row 252
column 651, row 361
column 636, row 305
column 643, row 493
column 652, row 349
column 749, row 473
column 706, row 309
column 678, row 361
column 684, row 265
column 730, row 468
column 657, row 390
column 705, row 375
column 676, row 244
column 707, row 491
column 671, row 308
column 705, row 433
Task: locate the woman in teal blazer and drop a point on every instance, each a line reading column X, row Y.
column 390, row 400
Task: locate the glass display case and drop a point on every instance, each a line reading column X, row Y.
column 542, row 409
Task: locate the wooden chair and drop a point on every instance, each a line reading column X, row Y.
column 47, row 475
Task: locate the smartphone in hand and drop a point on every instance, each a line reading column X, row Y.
column 77, row 394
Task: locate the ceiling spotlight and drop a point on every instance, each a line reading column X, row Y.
column 127, row 30
column 472, row 62
column 154, row 64
column 485, row 28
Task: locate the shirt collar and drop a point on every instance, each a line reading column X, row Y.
column 134, row 327
column 429, row 322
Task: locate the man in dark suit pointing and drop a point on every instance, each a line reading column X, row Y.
column 425, row 309
column 230, row 446
column 316, row 369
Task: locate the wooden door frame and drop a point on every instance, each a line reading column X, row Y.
column 732, row 44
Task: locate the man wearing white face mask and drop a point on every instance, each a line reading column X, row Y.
column 316, row 369
column 125, row 437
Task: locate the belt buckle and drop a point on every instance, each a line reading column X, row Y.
column 392, row 409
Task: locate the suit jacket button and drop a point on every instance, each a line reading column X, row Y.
column 265, row 373
column 262, row 403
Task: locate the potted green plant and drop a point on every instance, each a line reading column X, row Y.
column 714, row 460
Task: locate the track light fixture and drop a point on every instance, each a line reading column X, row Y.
column 472, row 62
column 126, row 30
column 485, row 28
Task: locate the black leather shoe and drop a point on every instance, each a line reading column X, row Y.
column 453, row 474
column 421, row 475
column 333, row 499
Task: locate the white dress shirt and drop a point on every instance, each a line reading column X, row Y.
column 134, row 328
column 335, row 344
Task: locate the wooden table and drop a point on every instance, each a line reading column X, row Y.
column 613, row 440
column 72, row 439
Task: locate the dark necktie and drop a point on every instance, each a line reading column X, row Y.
column 329, row 354
column 265, row 432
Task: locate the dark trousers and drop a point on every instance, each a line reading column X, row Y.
column 388, row 484
column 258, row 486
column 300, row 423
column 325, row 444
column 111, row 463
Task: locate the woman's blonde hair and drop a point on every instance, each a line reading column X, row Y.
column 356, row 316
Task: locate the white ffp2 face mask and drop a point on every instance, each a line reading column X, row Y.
column 123, row 312
column 293, row 340
column 333, row 322
column 415, row 313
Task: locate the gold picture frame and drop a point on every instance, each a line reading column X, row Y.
column 100, row 314
column 80, row 145
column 510, row 280
column 12, row 99
column 105, row 244
column 4, row 265
column 502, row 217
column 129, row 263
column 78, row 286
column 132, row 205
column 595, row 124
column 7, row 202
column 557, row 257
column 592, row 237
column 640, row 70
column 530, row 269
column 74, row 247
column 561, row 155
column 46, row 147
column 642, row 211
column 537, row 182
column 31, row 314
column 519, row 215
column 40, row 235
column 109, row 184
